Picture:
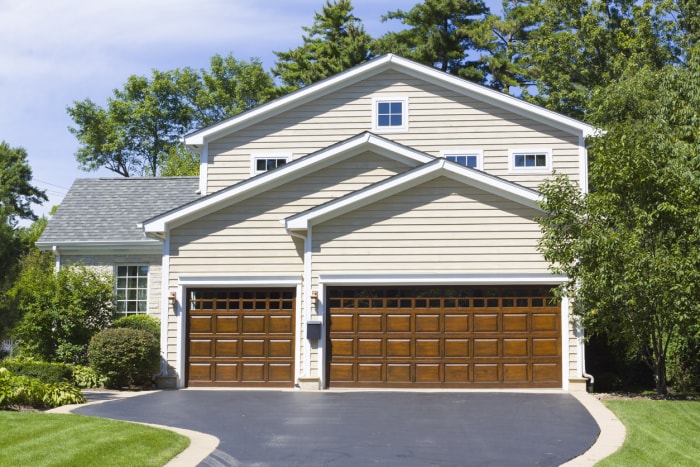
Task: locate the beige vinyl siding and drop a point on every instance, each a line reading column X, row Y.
column 439, row 119
column 248, row 238
column 441, row 226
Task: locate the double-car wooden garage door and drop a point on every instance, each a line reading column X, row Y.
column 447, row 336
column 444, row 337
column 240, row 337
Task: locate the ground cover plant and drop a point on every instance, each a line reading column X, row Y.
column 32, row 438
column 659, row 432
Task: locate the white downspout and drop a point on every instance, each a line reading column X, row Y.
column 582, row 354
column 56, row 259
column 306, row 298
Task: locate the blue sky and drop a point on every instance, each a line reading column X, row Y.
column 59, row 51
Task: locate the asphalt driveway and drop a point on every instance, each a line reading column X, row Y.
column 289, row 428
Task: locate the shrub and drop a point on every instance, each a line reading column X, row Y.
column 61, row 310
column 127, row 357
column 23, row 390
column 86, row 377
column 46, row 372
column 142, row 322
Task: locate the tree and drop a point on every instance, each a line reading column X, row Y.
column 143, row 123
column 501, row 41
column 17, row 194
column 631, row 247
column 576, row 47
column 336, row 41
column 60, row 311
column 439, row 35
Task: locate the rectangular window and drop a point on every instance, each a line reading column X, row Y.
column 390, row 114
column 260, row 164
column 531, row 161
column 470, row 158
column 131, row 289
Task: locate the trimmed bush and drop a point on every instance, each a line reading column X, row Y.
column 46, row 372
column 142, row 322
column 127, row 357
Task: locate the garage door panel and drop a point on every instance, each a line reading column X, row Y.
column 398, row 323
column 369, row 323
column 427, row 323
column 226, row 348
column 456, row 323
column 472, row 336
column 240, row 337
column 201, row 347
column 201, row 323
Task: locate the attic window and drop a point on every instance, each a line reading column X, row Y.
column 260, row 164
column 531, row 160
column 472, row 159
column 390, row 114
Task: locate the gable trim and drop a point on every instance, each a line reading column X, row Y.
column 288, row 172
column 407, row 180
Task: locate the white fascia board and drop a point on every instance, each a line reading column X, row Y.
column 407, row 180
column 497, row 98
column 363, row 142
column 394, row 278
column 282, row 104
column 109, row 246
column 240, row 281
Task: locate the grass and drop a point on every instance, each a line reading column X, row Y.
column 41, row 439
column 659, row 432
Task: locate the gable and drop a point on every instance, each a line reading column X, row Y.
column 326, row 162
column 405, row 182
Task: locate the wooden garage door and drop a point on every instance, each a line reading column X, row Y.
column 444, row 337
column 240, row 337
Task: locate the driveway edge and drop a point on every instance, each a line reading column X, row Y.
column 612, row 432
column 201, row 444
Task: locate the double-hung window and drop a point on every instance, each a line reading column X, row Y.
column 389, row 114
column 131, row 289
column 531, row 160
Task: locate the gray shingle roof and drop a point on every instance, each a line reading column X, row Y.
column 109, row 209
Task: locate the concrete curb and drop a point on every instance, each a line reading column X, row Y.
column 612, row 432
column 201, row 444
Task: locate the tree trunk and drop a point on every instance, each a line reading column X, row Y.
column 660, row 375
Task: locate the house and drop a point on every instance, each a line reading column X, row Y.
column 375, row 229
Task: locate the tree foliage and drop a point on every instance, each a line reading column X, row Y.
column 439, row 34
column 631, row 247
column 336, row 41
column 142, row 124
column 60, row 310
column 17, row 194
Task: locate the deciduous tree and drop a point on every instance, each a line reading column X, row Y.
column 631, row 247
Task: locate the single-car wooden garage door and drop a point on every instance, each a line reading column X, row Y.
column 444, row 337
column 240, row 337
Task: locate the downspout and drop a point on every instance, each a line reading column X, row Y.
column 306, row 296
column 582, row 356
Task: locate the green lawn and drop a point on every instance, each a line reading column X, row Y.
column 658, row 433
column 42, row 439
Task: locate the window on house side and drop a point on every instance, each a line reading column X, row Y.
column 538, row 160
column 265, row 164
column 390, row 114
column 131, row 289
column 469, row 160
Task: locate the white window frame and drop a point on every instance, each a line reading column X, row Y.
column 148, row 288
column 546, row 169
column 376, row 100
column 466, row 152
column 266, row 155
